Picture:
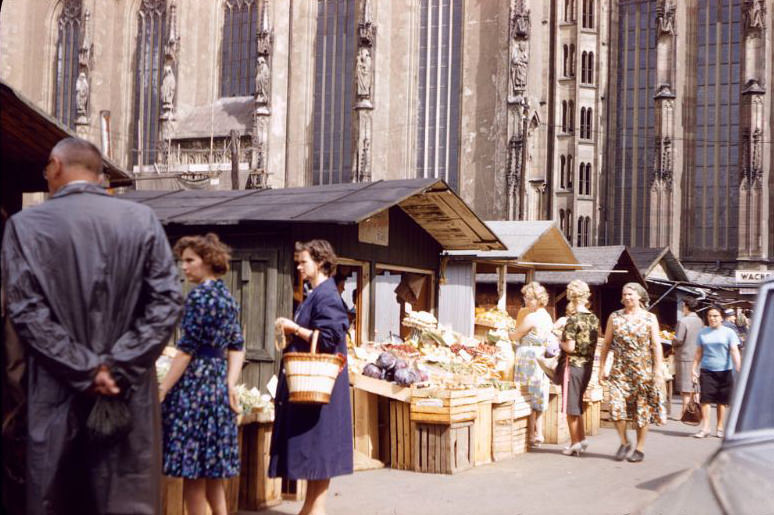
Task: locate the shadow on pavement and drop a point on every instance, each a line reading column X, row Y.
column 659, row 482
column 667, row 432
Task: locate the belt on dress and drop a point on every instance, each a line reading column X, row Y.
column 210, row 352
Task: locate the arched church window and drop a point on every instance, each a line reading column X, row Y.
column 68, row 43
column 239, row 49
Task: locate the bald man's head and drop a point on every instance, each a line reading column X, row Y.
column 77, row 152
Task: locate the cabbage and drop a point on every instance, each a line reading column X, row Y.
column 386, row 361
column 372, row 370
column 405, row 376
column 400, row 363
column 388, row 375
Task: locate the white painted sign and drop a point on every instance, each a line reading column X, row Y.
column 753, row 276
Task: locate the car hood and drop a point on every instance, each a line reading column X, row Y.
column 737, row 479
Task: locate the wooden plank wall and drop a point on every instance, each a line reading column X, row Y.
column 456, row 297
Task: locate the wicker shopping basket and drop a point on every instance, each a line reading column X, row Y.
column 311, row 376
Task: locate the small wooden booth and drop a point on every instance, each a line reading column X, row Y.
column 388, row 235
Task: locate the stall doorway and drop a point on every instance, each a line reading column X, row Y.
column 396, row 290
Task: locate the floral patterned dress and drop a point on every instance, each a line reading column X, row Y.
column 200, row 431
column 633, row 393
column 532, row 346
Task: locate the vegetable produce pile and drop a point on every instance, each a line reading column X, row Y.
column 495, row 318
column 391, row 368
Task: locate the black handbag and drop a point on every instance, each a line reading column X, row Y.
column 110, row 420
column 692, row 414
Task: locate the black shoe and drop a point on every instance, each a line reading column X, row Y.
column 636, row 457
column 623, row 450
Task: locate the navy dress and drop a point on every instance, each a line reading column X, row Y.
column 200, row 431
column 315, row 441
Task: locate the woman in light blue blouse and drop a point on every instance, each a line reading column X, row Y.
column 717, row 351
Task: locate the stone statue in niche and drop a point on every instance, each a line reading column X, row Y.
column 168, row 87
column 756, row 151
column 82, row 97
column 666, row 155
column 519, row 63
column 364, row 73
column 666, row 20
column 262, row 77
column 755, row 12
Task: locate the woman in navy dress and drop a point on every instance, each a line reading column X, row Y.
column 199, row 400
column 314, row 442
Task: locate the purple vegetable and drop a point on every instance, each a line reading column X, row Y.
column 388, row 375
column 421, row 375
column 405, row 376
column 400, row 363
column 386, row 361
column 372, row 370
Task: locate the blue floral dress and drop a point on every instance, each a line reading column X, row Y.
column 200, row 431
column 528, row 372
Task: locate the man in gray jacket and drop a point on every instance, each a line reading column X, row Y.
column 92, row 297
column 684, row 346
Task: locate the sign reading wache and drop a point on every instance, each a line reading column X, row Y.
column 753, row 276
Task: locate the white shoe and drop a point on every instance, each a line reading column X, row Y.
column 575, row 449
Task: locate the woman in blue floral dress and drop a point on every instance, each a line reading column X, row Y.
column 199, row 401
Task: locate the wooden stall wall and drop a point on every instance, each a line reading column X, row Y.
column 456, row 302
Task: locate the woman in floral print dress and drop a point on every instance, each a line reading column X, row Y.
column 199, row 400
column 636, row 378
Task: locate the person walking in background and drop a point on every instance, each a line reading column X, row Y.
column 717, row 352
column 314, row 442
column 730, row 321
column 198, row 394
column 636, row 377
column 92, row 293
column 578, row 343
column 533, row 335
column 684, row 345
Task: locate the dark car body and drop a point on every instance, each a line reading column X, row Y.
column 739, row 477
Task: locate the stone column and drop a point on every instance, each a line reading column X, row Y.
column 518, row 110
column 662, row 202
column 364, row 104
column 752, row 191
column 168, row 85
column 262, row 114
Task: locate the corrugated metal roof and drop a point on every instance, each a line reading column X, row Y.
column 218, row 118
column 430, row 202
column 602, row 261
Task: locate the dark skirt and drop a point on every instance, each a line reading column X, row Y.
column 577, row 382
column 716, row 386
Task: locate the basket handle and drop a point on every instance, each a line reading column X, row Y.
column 315, row 334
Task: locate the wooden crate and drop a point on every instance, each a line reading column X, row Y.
column 555, row 428
column 400, row 435
column 293, row 490
column 483, row 433
column 440, row 406
column 502, row 431
column 365, row 423
column 256, row 490
column 591, row 417
column 520, row 435
column 443, row 449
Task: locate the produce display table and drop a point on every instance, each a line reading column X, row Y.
column 252, row 489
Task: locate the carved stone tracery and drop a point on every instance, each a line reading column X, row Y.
column 518, row 108
column 262, row 99
column 364, row 93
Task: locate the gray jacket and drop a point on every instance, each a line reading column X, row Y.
column 685, row 337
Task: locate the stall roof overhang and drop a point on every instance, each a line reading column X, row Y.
column 27, row 136
column 610, row 264
column 538, row 245
column 647, row 259
column 429, row 202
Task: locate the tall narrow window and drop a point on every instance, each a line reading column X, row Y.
column 590, row 70
column 562, row 222
column 333, row 83
column 570, row 171
column 569, row 225
column 239, row 49
column 562, row 171
column 438, row 106
column 567, row 12
column 591, row 14
column 572, row 60
column 571, row 116
column 583, row 67
column 68, row 42
column 565, row 57
column 151, row 29
column 580, row 231
column 589, row 127
column 587, row 231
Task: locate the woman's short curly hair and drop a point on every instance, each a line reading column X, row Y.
column 321, row 252
column 536, row 290
column 641, row 291
column 213, row 252
column 578, row 292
